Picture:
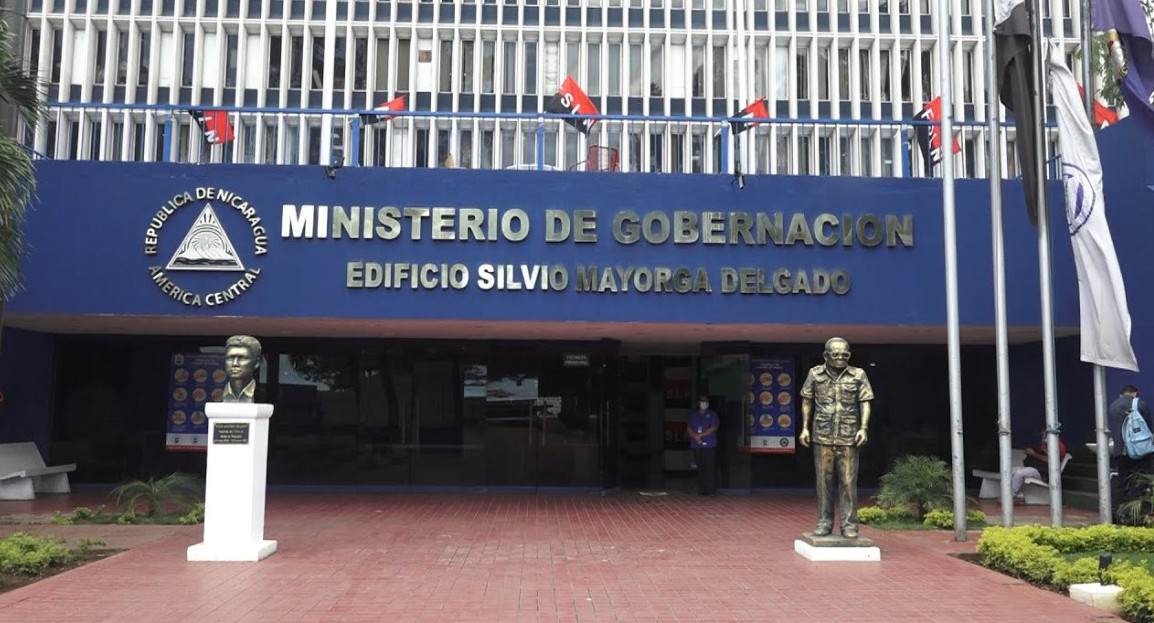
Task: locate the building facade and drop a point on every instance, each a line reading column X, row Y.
column 819, row 63
column 427, row 325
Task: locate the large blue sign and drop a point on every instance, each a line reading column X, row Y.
column 377, row 243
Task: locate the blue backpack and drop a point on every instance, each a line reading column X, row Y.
column 1136, row 434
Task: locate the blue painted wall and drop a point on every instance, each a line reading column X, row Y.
column 88, row 235
column 1128, row 170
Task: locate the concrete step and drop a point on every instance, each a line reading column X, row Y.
column 1081, row 469
column 1080, row 499
column 1080, row 483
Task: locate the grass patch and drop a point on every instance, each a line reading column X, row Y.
column 1133, row 559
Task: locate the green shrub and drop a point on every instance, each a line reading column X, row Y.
column 175, row 489
column 944, row 519
column 1032, row 553
column 1080, row 571
column 194, row 515
column 975, row 517
column 921, row 483
column 60, row 518
column 22, row 554
column 1137, row 596
column 82, row 512
column 899, row 513
column 127, row 517
column 941, row 519
column 871, row 514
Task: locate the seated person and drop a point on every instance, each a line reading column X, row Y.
column 1034, row 465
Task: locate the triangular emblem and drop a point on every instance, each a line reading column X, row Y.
column 206, row 246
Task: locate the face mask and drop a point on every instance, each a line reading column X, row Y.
column 704, row 405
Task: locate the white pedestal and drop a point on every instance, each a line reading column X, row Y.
column 1102, row 597
column 837, row 554
column 235, row 484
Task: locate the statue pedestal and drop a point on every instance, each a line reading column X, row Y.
column 836, row 549
column 235, row 484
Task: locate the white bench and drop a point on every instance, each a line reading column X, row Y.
column 23, row 473
column 1034, row 490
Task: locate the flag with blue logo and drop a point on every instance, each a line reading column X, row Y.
column 1105, row 317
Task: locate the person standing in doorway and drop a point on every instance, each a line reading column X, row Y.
column 702, row 428
column 1127, row 466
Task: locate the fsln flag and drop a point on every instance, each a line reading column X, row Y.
column 929, row 137
column 215, row 125
column 1105, row 318
column 1103, row 115
column 378, row 115
column 756, row 110
column 571, row 100
column 1124, row 23
column 1014, row 45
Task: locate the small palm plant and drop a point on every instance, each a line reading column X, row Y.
column 918, row 482
column 1140, row 510
column 176, row 489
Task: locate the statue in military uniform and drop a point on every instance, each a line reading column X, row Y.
column 836, row 397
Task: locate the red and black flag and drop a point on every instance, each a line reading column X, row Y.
column 571, row 100
column 929, row 137
column 215, row 125
column 1103, row 114
column 378, row 115
column 1014, row 44
column 756, row 110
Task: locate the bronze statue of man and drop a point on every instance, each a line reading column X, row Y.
column 241, row 359
column 837, row 396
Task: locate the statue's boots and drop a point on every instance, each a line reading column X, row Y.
column 822, row 529
column 849, row 532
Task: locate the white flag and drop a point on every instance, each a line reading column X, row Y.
column 1101, row 293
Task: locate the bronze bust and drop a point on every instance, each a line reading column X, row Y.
column 837, row 397
column 241, row 360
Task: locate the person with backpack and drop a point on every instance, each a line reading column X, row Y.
column 1119, row 412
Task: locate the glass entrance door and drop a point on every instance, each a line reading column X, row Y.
column 541, row 421
column 435, row 414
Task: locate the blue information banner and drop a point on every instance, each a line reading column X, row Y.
column 196, row 378
column 772, row 419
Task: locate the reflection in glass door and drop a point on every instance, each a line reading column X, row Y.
column 437, row 414
column 540, row 428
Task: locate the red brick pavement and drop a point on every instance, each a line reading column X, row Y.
column 513, row 558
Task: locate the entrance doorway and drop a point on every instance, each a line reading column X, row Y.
column 435, row 414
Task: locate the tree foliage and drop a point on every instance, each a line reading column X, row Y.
column 20, row 92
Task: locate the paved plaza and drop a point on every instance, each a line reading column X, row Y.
column 511, row 558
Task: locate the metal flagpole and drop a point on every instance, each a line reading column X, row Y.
column 1001, row 331
column 1102, row 433
column 1050, row 399
column 949, row 219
